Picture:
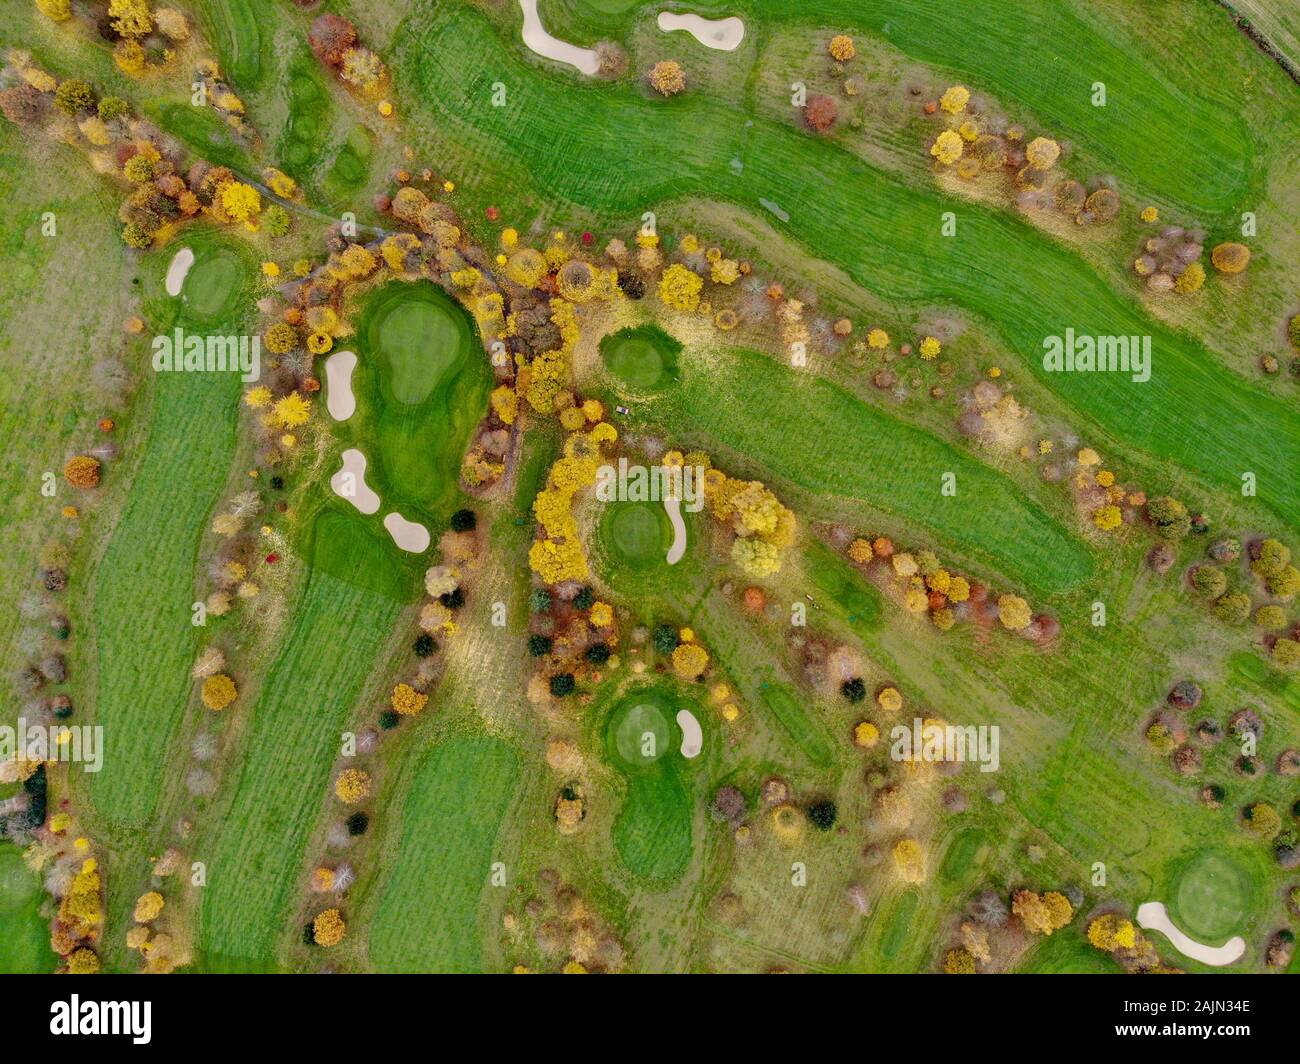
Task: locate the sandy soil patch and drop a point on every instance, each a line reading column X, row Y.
column 692, row 736
column 723, row 34
column 409, row 535
column 1153, row 915
column 339, row 400
column 177, row 271
column 673, row 507
column 538, row 40
column 350, row 482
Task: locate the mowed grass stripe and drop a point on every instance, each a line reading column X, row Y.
column 145, row 582
column 885, row 234
column 1170, row 125
column 428, row 918
column 820, row 438
column 294, row 734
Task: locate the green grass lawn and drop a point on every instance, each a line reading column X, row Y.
column 1067, row 952
column 428, row 918
column 421, row 387
column 233, row 25
column 265, row 810
column 652, row 832
column 25, row 941
column 816, row 436
column 643, row 359
column 1213, row 896
column 1189, row 123
column 148, row 568
column 890, row 241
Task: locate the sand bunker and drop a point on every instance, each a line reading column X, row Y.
column 692, row 736
column 350, row 483
column 673, row 507
column 724, row 34
column 177, row 271
column 339, row 400
column 409, row 535
column 1153, row 915
column 541, row 42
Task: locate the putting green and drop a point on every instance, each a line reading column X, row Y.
column 1213, row 896
column 653, row 830
column 419, row 396
column 422, row 341
column 643, row 359
column 638, row 533
column 213, row 285
column 641, row 733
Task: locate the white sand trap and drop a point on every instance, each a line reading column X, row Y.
column 692, row 737
column 339, row 400
column 541, row 42
column 724, row 34
column 350, row 482
column 1153, row 915
column 409, row 535
column 673, row 507
column 177, row 271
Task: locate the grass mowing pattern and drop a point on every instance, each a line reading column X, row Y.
column 652, row 832
column 25, row 943
column 1169, row 125
column 1213, row 897
column 293, row 738
column 148, row 568
column 800, row 723
column 421, row 387
column 846, row 592
column 644, row 359
column 888, row 241
column 428, row 918
column 233, row 26
column 820, row 438
column 1163, row 126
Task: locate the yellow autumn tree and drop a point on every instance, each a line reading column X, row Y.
column 690, row 660
column 56, row 10
column 147, row 907
column 352, row 786
column 291, row 411
column 240, row 202
column 1013, row 612
column 130, row 18
column 1111, row 932
column 218, row 692
column 667, row 77
column 954, row 100
column 947, row 147
column 328, row 928
column 909, row 861
column 841, row 48
column 679, row 288
column 407, row 700
column 1042, row 152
